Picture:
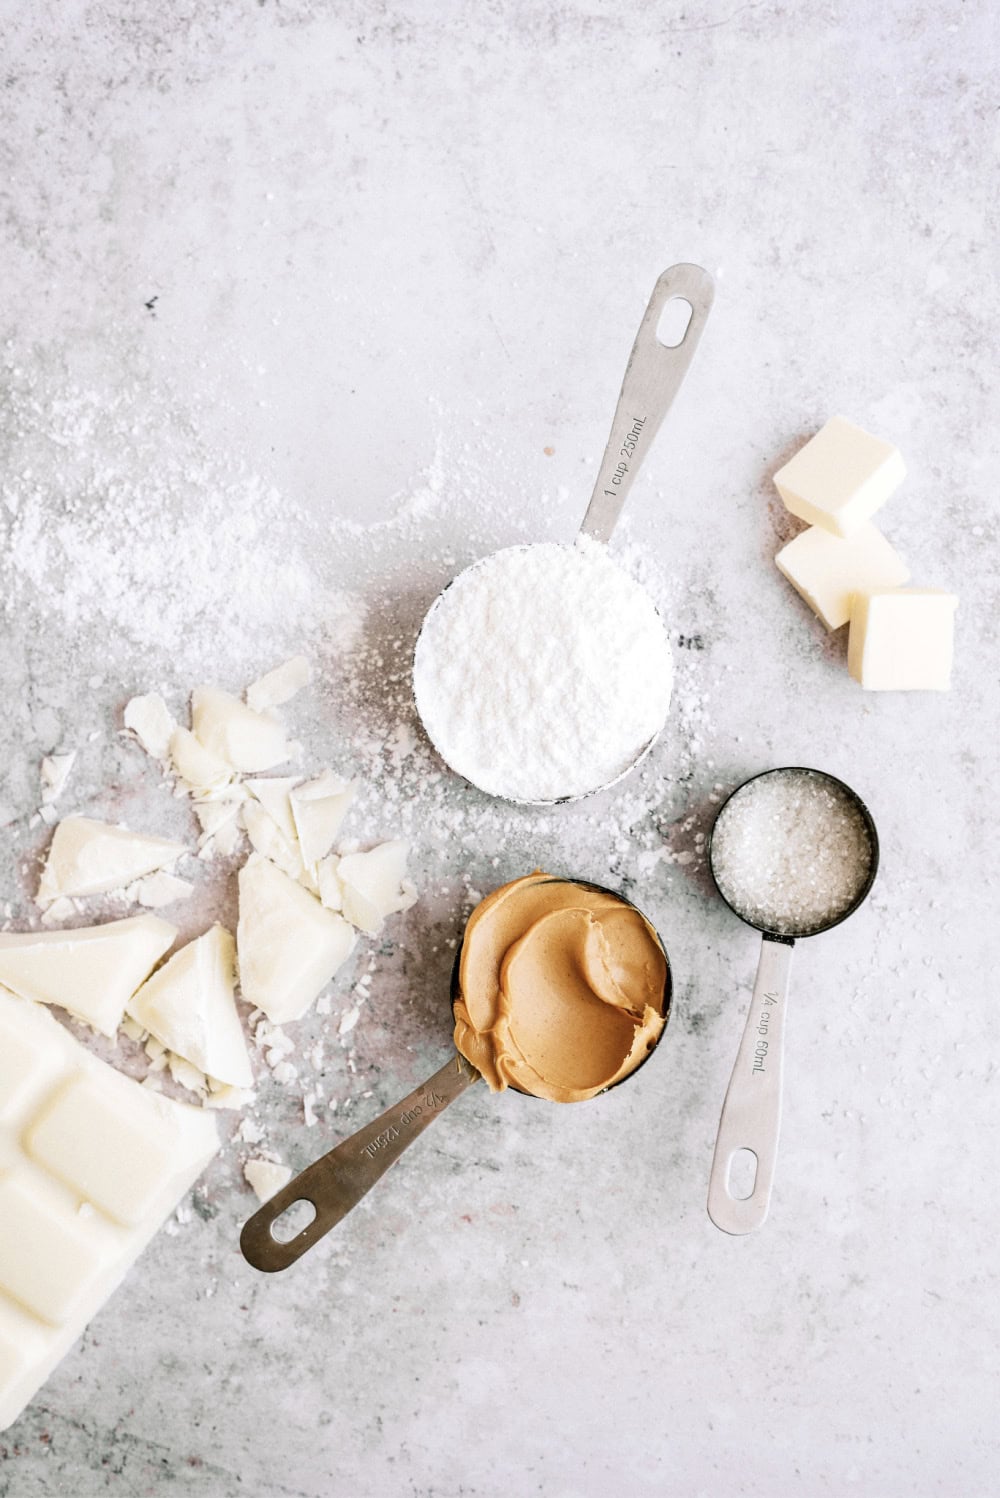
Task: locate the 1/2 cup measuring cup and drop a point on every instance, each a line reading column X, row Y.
column 793, row 852
column 335, row 1183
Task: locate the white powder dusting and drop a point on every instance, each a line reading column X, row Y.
column 791, row 851
column 543, row 672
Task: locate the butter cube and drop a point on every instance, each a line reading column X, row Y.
column 901, row 639
column 827, row 570
column 840, row 478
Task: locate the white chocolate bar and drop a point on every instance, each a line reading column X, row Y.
column 91, row 1164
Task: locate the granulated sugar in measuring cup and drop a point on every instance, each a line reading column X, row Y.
column 793, row 852
column 543, row 673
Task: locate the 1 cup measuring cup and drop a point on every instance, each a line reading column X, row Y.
column 335, row 1183
column 503, row 632
column 793, row 852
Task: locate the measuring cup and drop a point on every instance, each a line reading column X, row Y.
column 751, row 1113
column 653, row 376
column 337, row 1181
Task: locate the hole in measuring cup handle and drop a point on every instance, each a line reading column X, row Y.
column 742, row 1176
column 674, row 321
column 296, row 1217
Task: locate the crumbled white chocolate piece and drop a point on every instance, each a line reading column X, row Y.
column 267, row 838
column 91, row 972
column 319, row 808
column 132, row 1029
column 88, row 857
column 150, row 720
column 54, row 773
column 245, row 739
column 61, row 909
column 226, row 1096
column 373, row 885
column 161, row 889
column 188, row 1004
column 289, row 945
column 328, row 883
column 272, row 793
column 186, row 1075
column 279, row 685
column 266, row 1177
column 201, row 773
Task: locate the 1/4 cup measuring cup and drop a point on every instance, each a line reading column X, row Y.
column 793, row 852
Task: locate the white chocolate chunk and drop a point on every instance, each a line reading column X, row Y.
column 92, row 1165
column 373, row 884
column 188, row 1005
column 91, row 972
column 289, row 945
column 246, row 740
column 61, row 909
column 273, row 796
column 279, row 685
column 228, row 1097
column 828, row 570
column 319, row 808
column 328, row 883
column 161, row 889
column 54, row 773
column 901, row 639
column 840, row 477
column 266, row 1177
column 87, row 857
column 151, row 721
column 268, row 839
column 185, row 1074
column 201, row 772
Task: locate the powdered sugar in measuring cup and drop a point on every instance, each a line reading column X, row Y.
column 543, row 673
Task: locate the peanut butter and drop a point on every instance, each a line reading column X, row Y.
column 562, row 989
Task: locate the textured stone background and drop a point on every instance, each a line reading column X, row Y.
column 340, row 295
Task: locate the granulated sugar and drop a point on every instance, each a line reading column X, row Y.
column 791, row 851
column 543, row 672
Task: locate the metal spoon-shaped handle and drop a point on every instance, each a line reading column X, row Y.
column 337, row 1181
column 751, row 1113
column 653, row 377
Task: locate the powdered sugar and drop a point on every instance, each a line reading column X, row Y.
column 543, row 672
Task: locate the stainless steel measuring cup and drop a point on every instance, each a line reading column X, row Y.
column 653, row 376
column 337, row 1181
column 751, row 1113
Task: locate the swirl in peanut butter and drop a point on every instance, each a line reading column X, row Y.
column 562, row 989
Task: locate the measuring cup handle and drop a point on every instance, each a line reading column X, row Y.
column 653, row 377
column 751, row 1113
column 338, row 1180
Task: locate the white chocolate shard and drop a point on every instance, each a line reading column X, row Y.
column 62, row 909
column 91, row 972
column 266, row 1177
column 319, row 808
column 185, row 1074
column 374, row 885
column 202, row 773
column 273, row 796
column 53, row 773
column 246, row 740
column 227, row 1097
column 151, row 721
column 289, row 945
column 328, row 882
column 157, row 890
column 188, row 1005
column 279, row 685
column 267, row 838
column 88, row 857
